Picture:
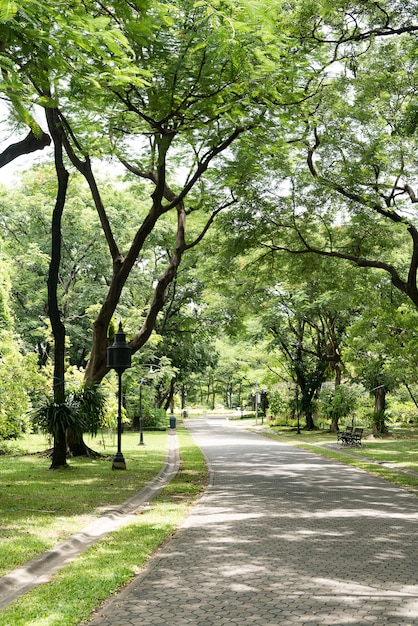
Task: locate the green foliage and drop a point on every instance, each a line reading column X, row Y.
column 20, row 380
column 52, row 416
column 155, row 419
column 20, row 383
column 303, row 82
column 338, row 403
column 91, row 401
column 9, row 448
column 276, row 403
column 379, row 418
column 84, row 410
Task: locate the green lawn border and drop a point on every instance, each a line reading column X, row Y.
column 396, row 477
column 80, row 588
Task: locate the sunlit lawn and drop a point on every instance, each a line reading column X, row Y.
column 40, row 507
column 399, row 447
column 80, row 587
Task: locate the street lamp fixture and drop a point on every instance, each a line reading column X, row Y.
column 119, row 359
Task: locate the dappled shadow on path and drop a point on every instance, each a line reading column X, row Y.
column 285, row 537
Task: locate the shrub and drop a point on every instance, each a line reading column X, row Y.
column 156, row 419
column 50, row 416
column 339, row 403
column 276, row 403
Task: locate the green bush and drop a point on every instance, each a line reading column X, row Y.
column 276, row 403
column 155, row 419
column 338, row 403
column 91, row 402
column 18, row 381
column 10, row 448
column 401, row 412
column 50, row 416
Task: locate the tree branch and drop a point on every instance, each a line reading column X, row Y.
column 85, row 168
column 29, row 144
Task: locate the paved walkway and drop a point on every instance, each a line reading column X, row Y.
column 281, row 537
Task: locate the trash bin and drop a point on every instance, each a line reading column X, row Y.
column 172, row 421
column 185, row 413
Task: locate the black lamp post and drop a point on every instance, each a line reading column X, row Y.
column 141, row 422
column 297, row 407
column 119, row 359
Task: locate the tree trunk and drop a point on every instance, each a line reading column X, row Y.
column 169, row 403
column 379, row 426
column 310, row 424
column 414, row 400
column 59, row 455
column 334, row 427
column 305, row 404
column 380, row 400
column 59, row 451
column 77, row 446
column 338, row 375
column 96, row 367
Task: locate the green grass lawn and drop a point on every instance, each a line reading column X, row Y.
column 399, row 447
column 80, row 587
column 41, row 507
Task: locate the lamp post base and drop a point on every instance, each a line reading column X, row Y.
column 119, row 462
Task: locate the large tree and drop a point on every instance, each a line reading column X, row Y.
column 188, row 111
column 168, row 90
column 352, row 186
column 171, row 89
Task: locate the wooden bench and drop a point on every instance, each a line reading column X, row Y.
column 350, row 437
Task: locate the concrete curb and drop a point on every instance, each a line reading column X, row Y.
column 39, row 570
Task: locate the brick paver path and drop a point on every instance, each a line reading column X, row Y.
column 281, row 537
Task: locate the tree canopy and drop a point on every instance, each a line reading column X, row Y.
column 271, row 154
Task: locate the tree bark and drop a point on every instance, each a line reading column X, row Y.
column 379, row 426
column 334, row 426
column 31, row 143
column 163, row 201
column 77, row 446
column 310, row 424
column 169, row 402
column 59, row 454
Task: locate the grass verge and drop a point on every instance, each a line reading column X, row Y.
column 80, row 588
column 400, row 448
column 40, row 508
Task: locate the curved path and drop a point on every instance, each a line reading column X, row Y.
column 281, row 537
